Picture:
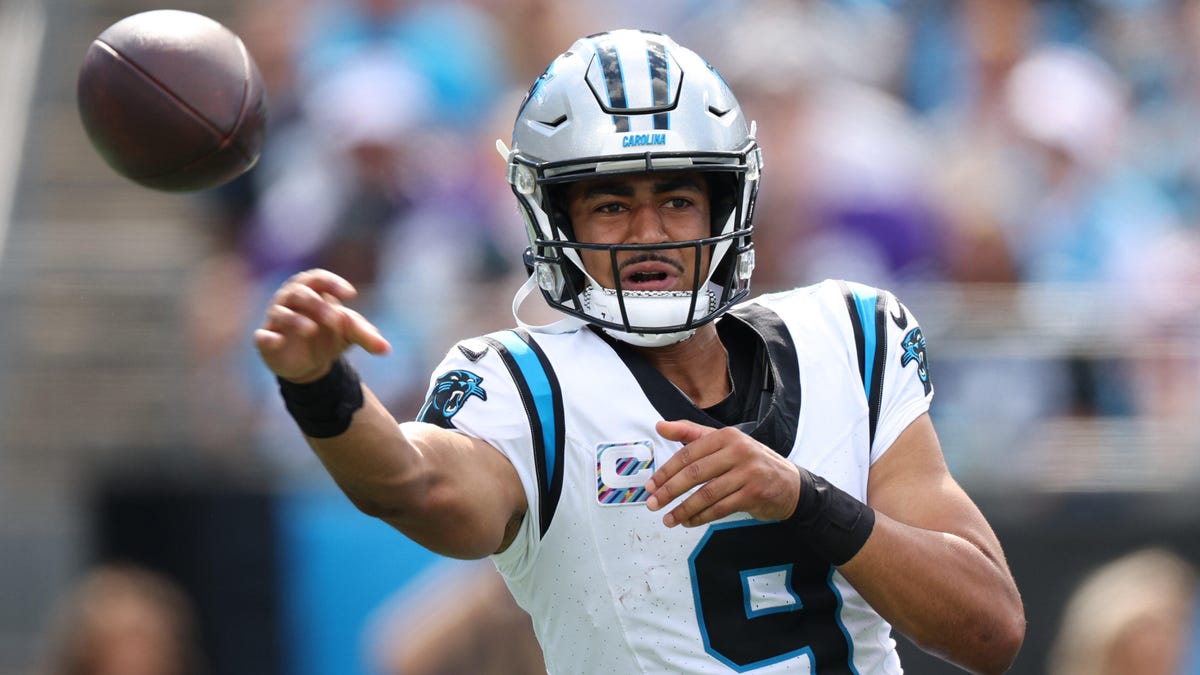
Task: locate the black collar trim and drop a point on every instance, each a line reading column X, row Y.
column 777, row 425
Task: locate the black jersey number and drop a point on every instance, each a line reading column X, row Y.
column 762, row 597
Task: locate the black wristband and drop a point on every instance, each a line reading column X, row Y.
column 325, row 407
column 831, row 521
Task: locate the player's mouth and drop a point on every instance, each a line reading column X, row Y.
column 650, row 274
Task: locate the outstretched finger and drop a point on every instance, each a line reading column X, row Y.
column 363, row 333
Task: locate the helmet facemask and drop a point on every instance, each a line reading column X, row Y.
column 709, row 140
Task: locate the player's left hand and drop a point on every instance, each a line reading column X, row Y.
column 733, row 471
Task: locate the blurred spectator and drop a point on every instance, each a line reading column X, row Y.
column 451, row 43
column 867, row 201
column 482, row 631
column 125, row 620
column 1095, row 218
column 978, row 172
column 1155, row 48
column 1132, row 615
column 349, row 173
column 1166, row 326
column 1095, row 214
column 959, row 50
column 556, row 25
column 849, row 157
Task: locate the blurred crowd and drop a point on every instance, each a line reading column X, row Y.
column 1133, row 614
column 1038, row 157
column 123, row 619
column 1017, row 145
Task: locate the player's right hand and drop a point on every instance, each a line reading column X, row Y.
column 306, row 327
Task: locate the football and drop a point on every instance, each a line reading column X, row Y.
column 173, row 101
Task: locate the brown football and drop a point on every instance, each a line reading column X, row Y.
column 173, row 101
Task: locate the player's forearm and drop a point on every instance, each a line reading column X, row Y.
column 943, row 593
column 371, row 461
column 437, row 487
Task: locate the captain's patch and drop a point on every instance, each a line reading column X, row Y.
column 450, row 393
column 622, row 470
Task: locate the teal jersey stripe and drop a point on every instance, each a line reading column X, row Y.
column 865, row 299
column 539, row 387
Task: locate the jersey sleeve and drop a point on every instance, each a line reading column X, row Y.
column 905, row 387
column 473, row 392
column 889, row 349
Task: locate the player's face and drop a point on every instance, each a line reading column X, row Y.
column 642, row 209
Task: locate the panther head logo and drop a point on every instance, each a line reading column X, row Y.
column 449, row 395
column 914, row 350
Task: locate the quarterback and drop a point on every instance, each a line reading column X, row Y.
column 674, row 477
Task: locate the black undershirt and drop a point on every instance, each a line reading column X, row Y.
column 747, row 371
column 765, row 373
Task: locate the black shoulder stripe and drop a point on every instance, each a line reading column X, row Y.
column 868, row 318
column 857, row 324
column 541, row 397
column 880, row 360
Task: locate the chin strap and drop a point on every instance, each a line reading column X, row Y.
column 563, row 325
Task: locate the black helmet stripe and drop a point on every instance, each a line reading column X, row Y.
column 614, row 82
column 656, row 53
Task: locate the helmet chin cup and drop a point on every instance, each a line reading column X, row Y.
column 647, row 308
column 650, row 339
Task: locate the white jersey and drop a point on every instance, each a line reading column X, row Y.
column 613, row 590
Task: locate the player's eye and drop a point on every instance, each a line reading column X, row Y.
column 610, row 207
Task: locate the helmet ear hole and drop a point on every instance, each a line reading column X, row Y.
column 722, row 198
column 555, row 197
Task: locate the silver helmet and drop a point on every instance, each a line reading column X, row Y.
column 631, row 102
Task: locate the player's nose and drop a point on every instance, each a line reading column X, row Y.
column 647, row 225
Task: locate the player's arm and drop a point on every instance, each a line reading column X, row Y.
column 932, row 565
column 453, row 494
